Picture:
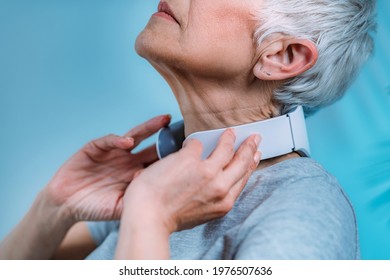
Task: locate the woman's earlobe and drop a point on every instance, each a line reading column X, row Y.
column 265, row 72
column 262, row 73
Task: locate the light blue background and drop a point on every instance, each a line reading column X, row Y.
column 69, row 73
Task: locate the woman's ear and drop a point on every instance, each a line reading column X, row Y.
column 284, row 58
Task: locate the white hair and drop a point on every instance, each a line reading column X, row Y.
column 341, row 30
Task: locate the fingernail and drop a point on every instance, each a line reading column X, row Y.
column 257, row 156
column 232, row 132
column 257, row 140
column 164, row 118
column 129, row 139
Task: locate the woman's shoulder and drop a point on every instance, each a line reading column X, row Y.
column 303, row 207
column 295, row 168
column 301, row 183
column 295, row 174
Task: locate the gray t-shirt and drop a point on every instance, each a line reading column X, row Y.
column 291, row 210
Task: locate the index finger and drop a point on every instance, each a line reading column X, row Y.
column 148, row 128
column 224, row 151
column 245, row 157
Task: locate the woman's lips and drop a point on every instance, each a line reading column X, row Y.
column 165, row 11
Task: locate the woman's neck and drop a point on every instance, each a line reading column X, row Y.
column 221, row 114
column 207, row 104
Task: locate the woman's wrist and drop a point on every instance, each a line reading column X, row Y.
column 50, row 213
column 143, row 205
column 144, row 233
column 39, row 234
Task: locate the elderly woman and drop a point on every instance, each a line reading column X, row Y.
column 228, row 62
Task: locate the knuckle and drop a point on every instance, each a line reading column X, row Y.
column 208, row 173
column 228, row 147
column 247, row 157
column 219, row 191
column 226, row 206
column 242, row 157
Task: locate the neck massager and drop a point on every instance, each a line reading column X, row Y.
column 280, row 135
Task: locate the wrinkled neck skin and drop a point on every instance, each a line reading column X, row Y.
column 212, row 103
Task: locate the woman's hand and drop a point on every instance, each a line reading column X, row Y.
column 182, row 191
column 91, row 184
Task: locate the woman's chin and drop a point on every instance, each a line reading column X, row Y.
column 148, row 47
column 141, row 45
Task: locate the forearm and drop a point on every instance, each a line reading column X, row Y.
column 142, row 237
column 38, row 235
